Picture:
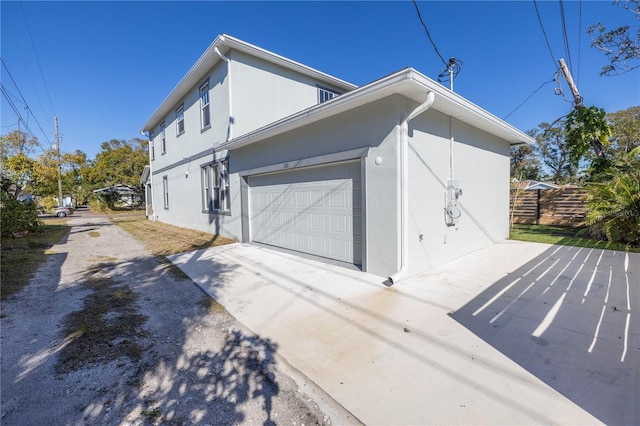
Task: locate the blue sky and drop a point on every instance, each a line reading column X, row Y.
column 103, row 67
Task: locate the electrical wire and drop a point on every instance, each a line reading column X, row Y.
column 529, row 97
column 567, row 51
column 579, row 43
column 17, row 112
column 429, row 35
column 546, row 39
column 24, row 100
column 37, row 58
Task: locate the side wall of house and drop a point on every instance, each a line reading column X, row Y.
column 480, row 165
column 263, row 92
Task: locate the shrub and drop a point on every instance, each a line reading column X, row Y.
column 17, row 217
column 614, row 201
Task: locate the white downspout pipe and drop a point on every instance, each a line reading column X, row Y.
column 228, row 61
column 404, row 188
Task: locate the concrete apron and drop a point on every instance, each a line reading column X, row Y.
column 393, row 355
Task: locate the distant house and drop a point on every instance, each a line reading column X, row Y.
column 396, row 176
column 127, row 195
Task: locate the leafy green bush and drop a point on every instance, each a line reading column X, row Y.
column 614, row 200
column 17, row 217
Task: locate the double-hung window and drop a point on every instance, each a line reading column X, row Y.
column 205, row 116
column 325, row 94
column 180, row 120
column 165, row 191
column 152, row 146
column 163, row 139
column 215, row 187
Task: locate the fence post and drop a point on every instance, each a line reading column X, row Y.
column 538, row 208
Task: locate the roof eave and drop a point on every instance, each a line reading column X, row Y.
column 210, row 58
column 408, row 83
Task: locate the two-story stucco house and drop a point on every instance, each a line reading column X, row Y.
column 396, row 176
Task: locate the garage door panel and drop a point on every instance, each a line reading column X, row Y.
column 309, row 210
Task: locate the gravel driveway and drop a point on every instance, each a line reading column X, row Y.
column 181, row 359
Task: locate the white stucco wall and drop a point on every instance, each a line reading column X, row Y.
column 480, row 164
column 373, row 126
column 263, row 92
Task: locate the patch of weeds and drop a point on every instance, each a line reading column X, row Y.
column 107, row 328
column 211, row 305
column 21, row 257
column 151, row 414
column 93, row 234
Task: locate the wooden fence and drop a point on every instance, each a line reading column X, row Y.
column 564, row 206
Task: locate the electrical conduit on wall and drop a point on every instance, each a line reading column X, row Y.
column 404, row 188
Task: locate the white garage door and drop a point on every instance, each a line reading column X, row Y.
column 314, row 210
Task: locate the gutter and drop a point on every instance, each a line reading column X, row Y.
column 228, row 61
column 404, row 188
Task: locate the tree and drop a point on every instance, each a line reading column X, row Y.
column 17, row 165
column 555, row 152
column 625, row 130
column 119, row 162
column 524, row 164
column 620, row 45
column 587, row 127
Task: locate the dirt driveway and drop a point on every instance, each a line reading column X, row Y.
column 107, row 334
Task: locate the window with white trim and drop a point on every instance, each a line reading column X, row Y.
column 205, row 117
column 163, row 140
column 215, row 187
column 152, row 146
column 325, row 94
column 165, row 191
column 180, row 120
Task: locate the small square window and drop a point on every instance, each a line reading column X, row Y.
column 325, row 94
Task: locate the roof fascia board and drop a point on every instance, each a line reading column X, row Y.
column 408, row 83
column 210, row 58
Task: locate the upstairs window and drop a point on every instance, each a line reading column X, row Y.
column 163, row 139
column 205, row 117
column 180, row 120
column 325, row 94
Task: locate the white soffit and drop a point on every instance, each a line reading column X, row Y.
column 408, row 83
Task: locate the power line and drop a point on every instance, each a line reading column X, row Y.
column 529, row 97
column 546, row 39
column 24, row 100
column 17, row 112
column 37, row 58
column 579, row 42
column 567, row 51
column 429, row 35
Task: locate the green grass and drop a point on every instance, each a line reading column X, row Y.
column 565, row 236
column 22, row 256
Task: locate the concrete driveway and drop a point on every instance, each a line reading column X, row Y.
column 516, row 333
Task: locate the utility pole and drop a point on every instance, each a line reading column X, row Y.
column 55, row 122
column 574, row 89
column 595, row 143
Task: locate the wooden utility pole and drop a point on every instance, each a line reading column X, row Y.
column 595, row 142
column 574, row 89
column 55, row 122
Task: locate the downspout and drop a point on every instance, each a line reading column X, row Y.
column 228, row 61
column 404, row 188
column 146, row 206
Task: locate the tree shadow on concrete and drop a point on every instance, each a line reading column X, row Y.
column 564, row 317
